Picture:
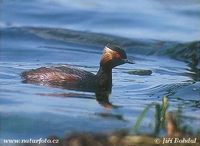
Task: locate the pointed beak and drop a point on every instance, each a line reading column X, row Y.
column 128, row 61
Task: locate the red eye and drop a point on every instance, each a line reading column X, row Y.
column 117, row 56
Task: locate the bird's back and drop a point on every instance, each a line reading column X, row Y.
column 63, row 76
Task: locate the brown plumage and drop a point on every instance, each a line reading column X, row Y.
column 77, row 79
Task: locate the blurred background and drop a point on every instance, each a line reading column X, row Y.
column 154, row 19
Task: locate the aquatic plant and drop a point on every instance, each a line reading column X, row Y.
column 141, row 72
column 160, row 114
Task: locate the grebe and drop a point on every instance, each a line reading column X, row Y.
column 77, row 79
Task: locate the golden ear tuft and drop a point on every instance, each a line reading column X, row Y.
column 107, row 56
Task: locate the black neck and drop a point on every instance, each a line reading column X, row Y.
column 104, row 79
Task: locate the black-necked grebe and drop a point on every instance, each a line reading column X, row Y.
column 77, row 79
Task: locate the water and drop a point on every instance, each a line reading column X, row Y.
column 136, row 19
column 44, row 33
